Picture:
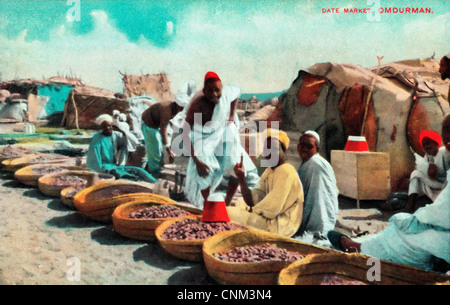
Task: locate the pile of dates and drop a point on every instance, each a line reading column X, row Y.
column 74, row 191
column 43, row 158
column 48, row 170
column 67, row 181
column 259, row 253
column 164, row 211
column 194, row 229
column 15, row 152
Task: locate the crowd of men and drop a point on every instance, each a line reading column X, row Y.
column 282, row 200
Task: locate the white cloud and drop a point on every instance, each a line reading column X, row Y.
column 260, row 52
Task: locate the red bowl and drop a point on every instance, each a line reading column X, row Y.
column 355, row 143
column 215, row 211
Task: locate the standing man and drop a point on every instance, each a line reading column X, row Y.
column 210, row 134
column 321, row 206
column 156, row 119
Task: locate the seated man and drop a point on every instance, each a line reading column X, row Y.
column 418, row 239
column 107, row 153
column 429, row 176
column 321, row 206
column 276, row 203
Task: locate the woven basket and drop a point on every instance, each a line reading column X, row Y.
column 141, row 229
column 12, row 165
column 257, row 273
column 92, row 203
column 354, row 267
column 67, row 197
column 29, row 175
column 14, row 152
column 47, row 187
column 189, row 250
column 6, row 163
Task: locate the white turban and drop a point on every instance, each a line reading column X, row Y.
column 102, row 118
column 185, row 93
column 116, row 112
column 314, row 134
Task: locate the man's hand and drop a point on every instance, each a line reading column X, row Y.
column 239, row 170
column 432, row 171
column 202, row 168
column 171, row 154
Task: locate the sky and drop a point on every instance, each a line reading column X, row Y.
column 261, row 45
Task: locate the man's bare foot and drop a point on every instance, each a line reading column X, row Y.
column 349, row 245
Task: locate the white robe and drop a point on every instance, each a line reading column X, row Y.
column 321, row 206
column 217, row 144
column 414, row 239
column 420, row 183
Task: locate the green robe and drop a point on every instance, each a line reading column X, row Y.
column 106, row 154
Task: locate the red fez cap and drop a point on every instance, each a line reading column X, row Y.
column 210, row 75
column 433, row 135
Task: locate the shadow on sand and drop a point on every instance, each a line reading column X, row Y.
column 35, row 193
column 72, row 220
column 107, row 236
column 196, row 275
column 152, row 254
column 57, row 205
column 16, row 184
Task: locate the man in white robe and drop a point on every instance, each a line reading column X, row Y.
column 211, row 139
column 418, row 239
column 321, row 206
column 429, row 177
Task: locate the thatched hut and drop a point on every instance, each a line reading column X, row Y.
column 85, row 104
column 155, row 85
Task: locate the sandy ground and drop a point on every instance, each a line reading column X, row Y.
column 43, row 242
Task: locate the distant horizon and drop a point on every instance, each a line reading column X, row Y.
column 261, row 96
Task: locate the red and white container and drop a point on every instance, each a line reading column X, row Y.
column 355, row 143
column 215, row 209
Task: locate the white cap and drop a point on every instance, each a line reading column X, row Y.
column 314, row 134
column 103, row 117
